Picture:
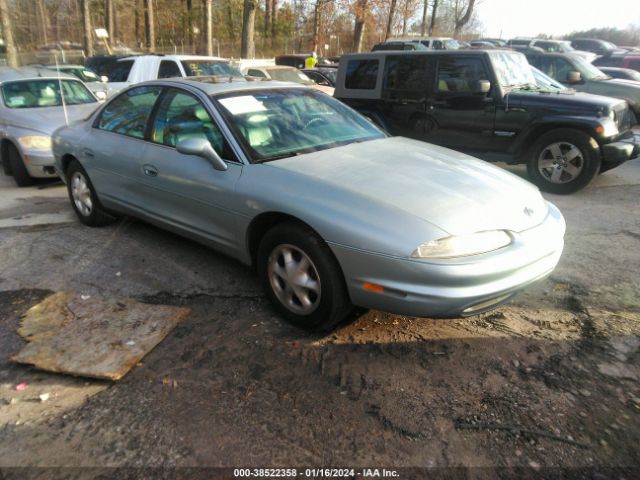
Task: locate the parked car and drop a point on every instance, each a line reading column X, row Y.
column 398, row 45
column 495, row 41
column 519, row 42
column 129, row 70
column 620, row 60
column 90, row 78
column 581, row 75
column 322, row 75
column 481, row 44
column 623, row 73
column 487, row 103
column 296, row 60
column 330, row 211
column 597, row 46
column 561, row 46
column 30, row 110
column 432, row 43
column 283, row 73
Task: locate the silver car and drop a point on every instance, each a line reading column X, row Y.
column 330, row 210
column 30, row 111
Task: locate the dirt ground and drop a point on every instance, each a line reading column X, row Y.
column 545, row 387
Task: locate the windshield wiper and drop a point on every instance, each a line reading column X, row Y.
column 278, row 157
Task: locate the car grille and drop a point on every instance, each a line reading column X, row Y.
column 622, row 118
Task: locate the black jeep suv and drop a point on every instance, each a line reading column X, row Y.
column 488, row 104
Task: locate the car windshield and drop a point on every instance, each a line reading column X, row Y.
column 201, row 68
column 331, row 74
column 289, row 75
column 83, row 74
column 512, row 69
column 279, row 123
column 45, row 93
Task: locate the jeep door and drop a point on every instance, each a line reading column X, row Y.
column 406, row 83
column 458, row 115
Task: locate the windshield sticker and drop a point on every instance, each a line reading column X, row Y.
column 15, row 102
column 244, row 104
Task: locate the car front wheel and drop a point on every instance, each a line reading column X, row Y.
column 19, row 171
column 83, row 197
column 563, row 161
column 302, row 278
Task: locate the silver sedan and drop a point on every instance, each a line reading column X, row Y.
column 331, row 211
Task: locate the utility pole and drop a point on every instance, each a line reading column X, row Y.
column 149, row 25
column 209, row 29
column 86, row 22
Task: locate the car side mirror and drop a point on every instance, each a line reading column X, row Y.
column 574, row 77
column 482, row 87
column 201, row 148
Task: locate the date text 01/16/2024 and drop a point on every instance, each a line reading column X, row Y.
column 314, row 473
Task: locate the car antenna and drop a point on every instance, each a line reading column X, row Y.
column 64, row 105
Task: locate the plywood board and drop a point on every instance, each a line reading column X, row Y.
column 93, row 336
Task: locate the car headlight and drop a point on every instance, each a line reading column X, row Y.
column 35, row 142
column 463, row 245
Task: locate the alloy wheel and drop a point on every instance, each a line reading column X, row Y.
column 560, row 162
column 81, row 194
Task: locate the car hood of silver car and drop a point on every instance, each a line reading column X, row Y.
column 48, row 119
column 453, row 191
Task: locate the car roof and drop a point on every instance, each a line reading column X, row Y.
column 174, row 57
column 9, row 74
column 462, row 52
column 214, row 85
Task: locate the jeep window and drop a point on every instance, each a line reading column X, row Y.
column 120, row 71
column 169, row 69
column 408, row 74
column 362, row 74
column 512, row 69
column 459, row 74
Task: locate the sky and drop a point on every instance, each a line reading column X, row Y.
column 554, row 17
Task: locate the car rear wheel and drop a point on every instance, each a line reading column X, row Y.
column 302, row 278
column 19, row 171
column 83, row 197
column 563, row 161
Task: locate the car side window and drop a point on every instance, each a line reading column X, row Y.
column 459, row 74
column 169, row 69
column 407, row 76
column 181, row 116
column 362, row 74
column 253, row 72
column 562, row 69
column 120, row 71
column 128, row 113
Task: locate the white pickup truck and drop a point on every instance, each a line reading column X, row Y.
column 129, row 70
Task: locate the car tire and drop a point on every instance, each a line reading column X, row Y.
column 320, row 307
column 19, row 171
column 563, row 161
column 83, row 197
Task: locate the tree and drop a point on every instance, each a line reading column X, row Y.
column 7, row 31
column 434, row 11
column 461, row 19
column 358, row 30
column 149, row 27
column 423, row 26
column 209, row 27
column 248, row 46
column 274, row 9
column 110, row 23
column 267, row 18
column 86, row 21
column 392, row 13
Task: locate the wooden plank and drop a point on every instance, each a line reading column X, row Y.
column 93, row 336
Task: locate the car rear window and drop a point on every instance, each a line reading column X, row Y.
column 362, row 74
column 45, row 93
column 119, row 72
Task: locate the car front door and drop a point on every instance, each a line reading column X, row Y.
column 116, row 143
column 185, row 191
column 460, row 116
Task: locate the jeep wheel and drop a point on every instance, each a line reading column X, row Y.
column 563, row 161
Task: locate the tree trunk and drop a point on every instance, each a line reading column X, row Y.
column 209, row 29
column 317, row 11
column 7, row 33
column 274, row 9
column 190, row 39
column 149, row 27
column 358, row 31
column 423, row 27
column 86, row 22
column 248, row 47
column 434, row 11
column 392, row 13
column 267, row 18
column 110, row 19
column 462, row 21
column 42, row 21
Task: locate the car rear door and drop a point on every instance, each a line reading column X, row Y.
column 185, row 191
column 116, row 144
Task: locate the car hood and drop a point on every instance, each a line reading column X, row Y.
column 455, row 192
column 48, row 119
column 566, row 101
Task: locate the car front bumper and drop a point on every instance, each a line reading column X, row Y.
column 39, row 164
column 453, row 287
column 616, row 153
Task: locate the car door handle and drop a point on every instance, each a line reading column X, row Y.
column 150, row 170
column 88, row 153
